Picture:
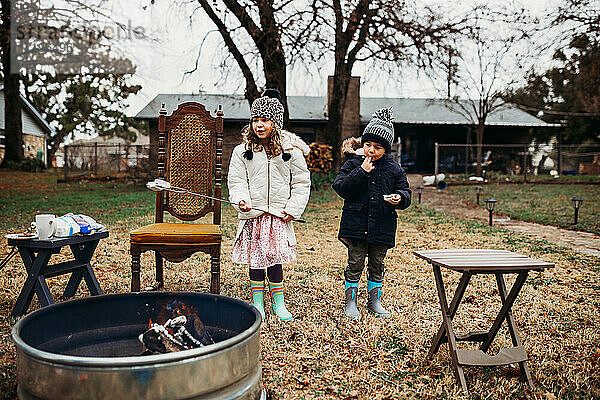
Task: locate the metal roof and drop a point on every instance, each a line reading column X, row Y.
column 313, row 108
column 443, row 112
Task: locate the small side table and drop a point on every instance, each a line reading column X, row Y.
column 471, row 262
column 36, row 255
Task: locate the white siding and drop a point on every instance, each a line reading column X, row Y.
column 30, row 126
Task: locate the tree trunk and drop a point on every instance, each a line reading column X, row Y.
column 13, row 125
column 336, row 106
column 54, row 145
column 480, row 129
column 276, row 76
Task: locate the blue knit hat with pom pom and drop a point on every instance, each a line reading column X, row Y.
column 380, row 128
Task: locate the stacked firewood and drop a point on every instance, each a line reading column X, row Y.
column 320, row 157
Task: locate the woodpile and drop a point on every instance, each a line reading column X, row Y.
column 592, row 168
column 320, row 157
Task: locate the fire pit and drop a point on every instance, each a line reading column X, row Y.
column 90, row 348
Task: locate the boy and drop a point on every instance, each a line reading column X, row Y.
column 373, row 186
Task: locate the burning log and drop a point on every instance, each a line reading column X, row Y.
column 180, row 333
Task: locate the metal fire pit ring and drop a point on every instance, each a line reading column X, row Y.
column 228, row 369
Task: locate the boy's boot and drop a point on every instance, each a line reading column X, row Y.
column 373, row 304
column 278, row 303
column 257, row 292
column 351, row 291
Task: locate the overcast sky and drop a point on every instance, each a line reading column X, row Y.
column 174, row 35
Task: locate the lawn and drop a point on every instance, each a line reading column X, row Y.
column 548, row 204
column 323, row 355
column 23, row 195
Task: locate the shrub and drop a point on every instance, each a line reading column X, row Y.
column 320, row 179
column 29, row 164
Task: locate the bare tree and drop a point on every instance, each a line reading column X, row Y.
column 381, row 32
column 284, row 32
column 576, row 17
column 487, row 67
column 278, row 32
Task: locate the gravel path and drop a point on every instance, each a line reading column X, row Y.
column 584, row 242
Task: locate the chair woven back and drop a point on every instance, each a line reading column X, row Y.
column 193, row 161
column 190, row 166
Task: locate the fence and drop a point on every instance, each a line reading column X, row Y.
column 100, row 159
column 518, row 159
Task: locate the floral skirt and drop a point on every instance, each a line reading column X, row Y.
column 263, row 242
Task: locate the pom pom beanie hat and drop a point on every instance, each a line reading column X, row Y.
column 268, row 107
column 380, row 129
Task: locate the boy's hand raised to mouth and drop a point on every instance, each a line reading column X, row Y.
column 367, row 165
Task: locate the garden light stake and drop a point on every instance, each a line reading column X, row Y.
column 159, row 185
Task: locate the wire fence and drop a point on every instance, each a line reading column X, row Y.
column 518, row 159
column 100, row 159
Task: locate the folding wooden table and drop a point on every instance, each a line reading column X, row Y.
column 471, row 262
column 36, row 256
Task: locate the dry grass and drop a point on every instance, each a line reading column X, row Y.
column 321, row 354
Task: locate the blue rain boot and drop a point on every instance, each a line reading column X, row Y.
column 350, row 309
column 373, row 303
column 276, row 290
column 257, row 292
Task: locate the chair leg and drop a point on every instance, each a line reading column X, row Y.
column 135, row 268
column 159, row 271
column 215, row 270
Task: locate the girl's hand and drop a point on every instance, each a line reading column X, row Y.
column 367, row 165
column 287, row 217
column 393, row 198
column 243, row 206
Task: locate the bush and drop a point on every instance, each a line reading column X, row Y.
column 29, row 164
column 320, row 179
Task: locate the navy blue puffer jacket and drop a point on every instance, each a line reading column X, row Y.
column 365, row 215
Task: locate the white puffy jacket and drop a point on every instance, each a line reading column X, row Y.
column 274, row 185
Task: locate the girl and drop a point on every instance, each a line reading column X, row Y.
column 267, row 171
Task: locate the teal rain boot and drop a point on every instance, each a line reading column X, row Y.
column 373, row 304
column 278, row 303
column 350, row 309
column 257, row 292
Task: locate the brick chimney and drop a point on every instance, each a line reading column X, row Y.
column 351, row 122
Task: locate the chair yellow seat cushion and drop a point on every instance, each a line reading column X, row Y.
column 177, row 234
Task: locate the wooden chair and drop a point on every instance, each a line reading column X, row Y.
column 189, row 156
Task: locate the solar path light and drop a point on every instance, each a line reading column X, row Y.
column 576, row 205
column 490, row 204
column 420, row 192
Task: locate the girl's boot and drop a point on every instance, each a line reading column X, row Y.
column 278, row 303
column 257, row 291
column 373, row 304
column 350, row 309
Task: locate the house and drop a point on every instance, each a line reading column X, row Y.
column 419, row 123
column 105, row 154
column 35, row 130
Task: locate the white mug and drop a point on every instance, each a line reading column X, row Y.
column 45, row 226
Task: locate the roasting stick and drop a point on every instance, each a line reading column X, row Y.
column 159, row 185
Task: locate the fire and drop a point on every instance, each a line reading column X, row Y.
column 172, row 309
